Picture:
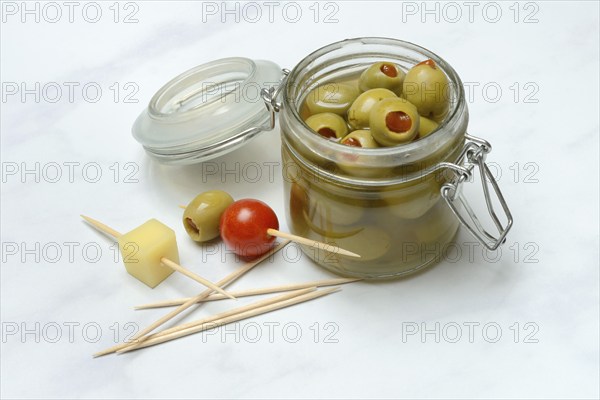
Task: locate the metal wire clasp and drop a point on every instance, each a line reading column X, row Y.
column 271, row 94
column 472, row 156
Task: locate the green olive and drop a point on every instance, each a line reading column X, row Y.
column 382, row 75
column 426, row 126
column 426, row 86
column 329, row 211
column 408, row 251
column 350, row 163
column 351, row 168
column 305, row 219
column 359, row 111
column 360, row 138
column 304, row 111
column 331, row 97
column 297, row 200
column 436, row 226
column 328, row 125
column 327, row 230
column 202, row 215
column 371, row 243
column 413, row 201
column 394, row 121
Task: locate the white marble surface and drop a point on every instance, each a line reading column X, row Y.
column 549, row 288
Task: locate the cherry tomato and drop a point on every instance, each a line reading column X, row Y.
column 244, row 227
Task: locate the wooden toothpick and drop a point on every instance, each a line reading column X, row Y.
column 308, row 242
column 225, row 314
column 312, row 243
column 169, row 263
column 252, row 292
column 140, row 336
column 200, row 325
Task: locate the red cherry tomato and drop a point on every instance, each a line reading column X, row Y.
column 244, row 227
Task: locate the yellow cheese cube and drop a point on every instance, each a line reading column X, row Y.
column 143, row 248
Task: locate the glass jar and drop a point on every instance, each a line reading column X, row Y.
column 397, row 207
column 384, row 204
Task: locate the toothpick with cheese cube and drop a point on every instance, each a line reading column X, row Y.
column 150, row 253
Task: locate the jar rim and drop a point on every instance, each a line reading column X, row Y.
column 381, row 151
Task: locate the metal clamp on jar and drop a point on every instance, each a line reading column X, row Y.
column 473, row 156
column 396, row 206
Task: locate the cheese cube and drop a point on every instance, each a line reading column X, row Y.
column 143, row 248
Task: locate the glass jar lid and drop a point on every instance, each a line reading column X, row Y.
column 208, row 111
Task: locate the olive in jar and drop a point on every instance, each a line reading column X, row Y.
column 331, row 98
column 297, row 207
column 360, row 110
column 360, row 138
column 382, row 75
column 350, row 164
column 426, row 126
column 426, row 86
column 372, row 243
column 435, row 226
column 394, row 121
column 325, row 209
column 328, row 125
column 414, row 200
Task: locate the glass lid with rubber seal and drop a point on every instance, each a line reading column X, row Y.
column 209, row 110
